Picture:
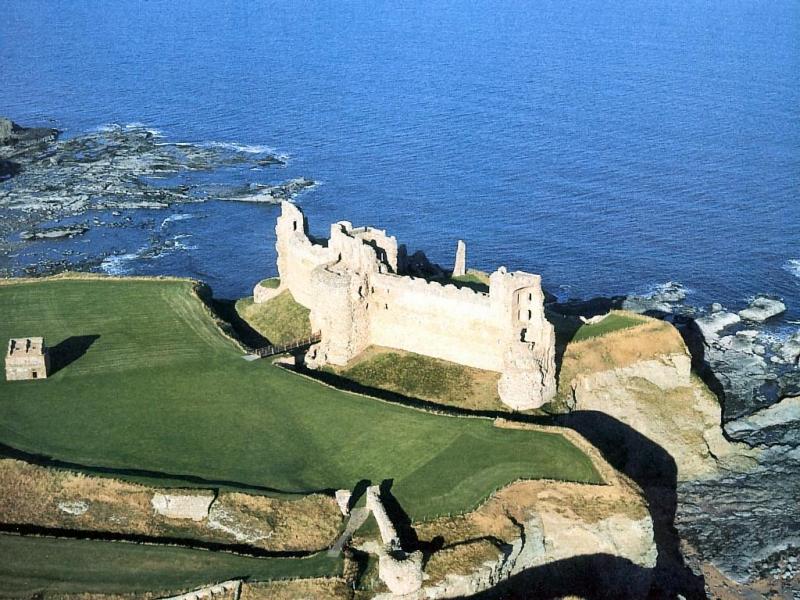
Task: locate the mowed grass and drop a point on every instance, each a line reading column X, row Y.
column 613, row 322
column 280, row 319
column 161, row 389
column 33, row 564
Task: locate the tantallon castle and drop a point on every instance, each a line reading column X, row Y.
column 357, row 287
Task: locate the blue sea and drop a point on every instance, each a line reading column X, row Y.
column 610, row 146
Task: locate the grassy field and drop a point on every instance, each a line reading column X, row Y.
column 613, row 322
column 425, row 378
column 153, row 384
column 279, row 319
column 32, row 565
column 477, row 280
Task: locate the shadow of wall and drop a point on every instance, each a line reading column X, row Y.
column 655, row 471
column 69, row 350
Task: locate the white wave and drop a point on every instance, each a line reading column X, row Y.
column 264, row 196
column 109, row 127
column 178, row 217
column 247, row 148
column 793, row 266
column 181, row 246
column 115, row 264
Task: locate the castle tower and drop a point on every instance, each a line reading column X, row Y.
column 460, row 266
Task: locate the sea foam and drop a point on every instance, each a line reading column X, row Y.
column 793, row 266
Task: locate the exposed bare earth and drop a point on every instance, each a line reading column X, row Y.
column 53, row 498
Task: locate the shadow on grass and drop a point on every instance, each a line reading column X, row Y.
column 156, row 478
column 349, row 385
column 156, row 540
column 69, row 350
column 239, row 328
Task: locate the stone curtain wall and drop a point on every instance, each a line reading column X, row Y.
column 297, row 255
column 356, row 300
column 455, row 324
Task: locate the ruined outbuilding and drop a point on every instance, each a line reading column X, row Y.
column 27, row 358
column 358, row 288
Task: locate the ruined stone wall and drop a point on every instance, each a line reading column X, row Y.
column 455, row 324
column 356, row 300
column 297, row 255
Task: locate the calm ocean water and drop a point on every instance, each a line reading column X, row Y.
column 609, row 146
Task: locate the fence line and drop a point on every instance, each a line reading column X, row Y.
column 274, row 349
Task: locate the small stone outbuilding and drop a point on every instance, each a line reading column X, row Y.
column 27, row 358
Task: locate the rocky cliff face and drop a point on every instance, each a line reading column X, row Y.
column 654, row 392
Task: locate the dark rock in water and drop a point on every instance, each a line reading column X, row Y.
column 8, row 168
column 53, row 233
column 12, row 134
column 270, row 161
column 272, row 194
column 742, row 521
column 661, row 301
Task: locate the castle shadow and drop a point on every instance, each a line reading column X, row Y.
column 239, row 328
column 655, row 471
column 590, row 577
column 69, row 350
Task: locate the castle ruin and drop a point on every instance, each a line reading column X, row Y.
column 357, row 287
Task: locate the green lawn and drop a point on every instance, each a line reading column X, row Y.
column 613, row 322
column 32, row 565
column 270, row 283
column 475, row 280
column 280, row 319
column 161, row 389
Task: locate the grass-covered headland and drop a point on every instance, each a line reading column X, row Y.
column 146, row 384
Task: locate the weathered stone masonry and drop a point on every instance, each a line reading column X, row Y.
column 354, row 285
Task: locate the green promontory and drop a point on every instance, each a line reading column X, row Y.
column 146, row 383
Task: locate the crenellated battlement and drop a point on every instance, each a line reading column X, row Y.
column 359, row 294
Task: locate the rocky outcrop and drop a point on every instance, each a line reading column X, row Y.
column 762, row 308
column 53, row 233
column 12, row 134
column 187, row 505
column 536, row 525
column 715, row 322
column 783, row 413
column 653, row 391
column 227, row 590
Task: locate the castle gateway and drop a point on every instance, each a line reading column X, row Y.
column 359, row 292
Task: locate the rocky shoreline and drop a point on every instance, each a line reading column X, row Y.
column 45, row 179
column 745, row 524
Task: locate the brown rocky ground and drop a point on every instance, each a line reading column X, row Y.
column 48, row 497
